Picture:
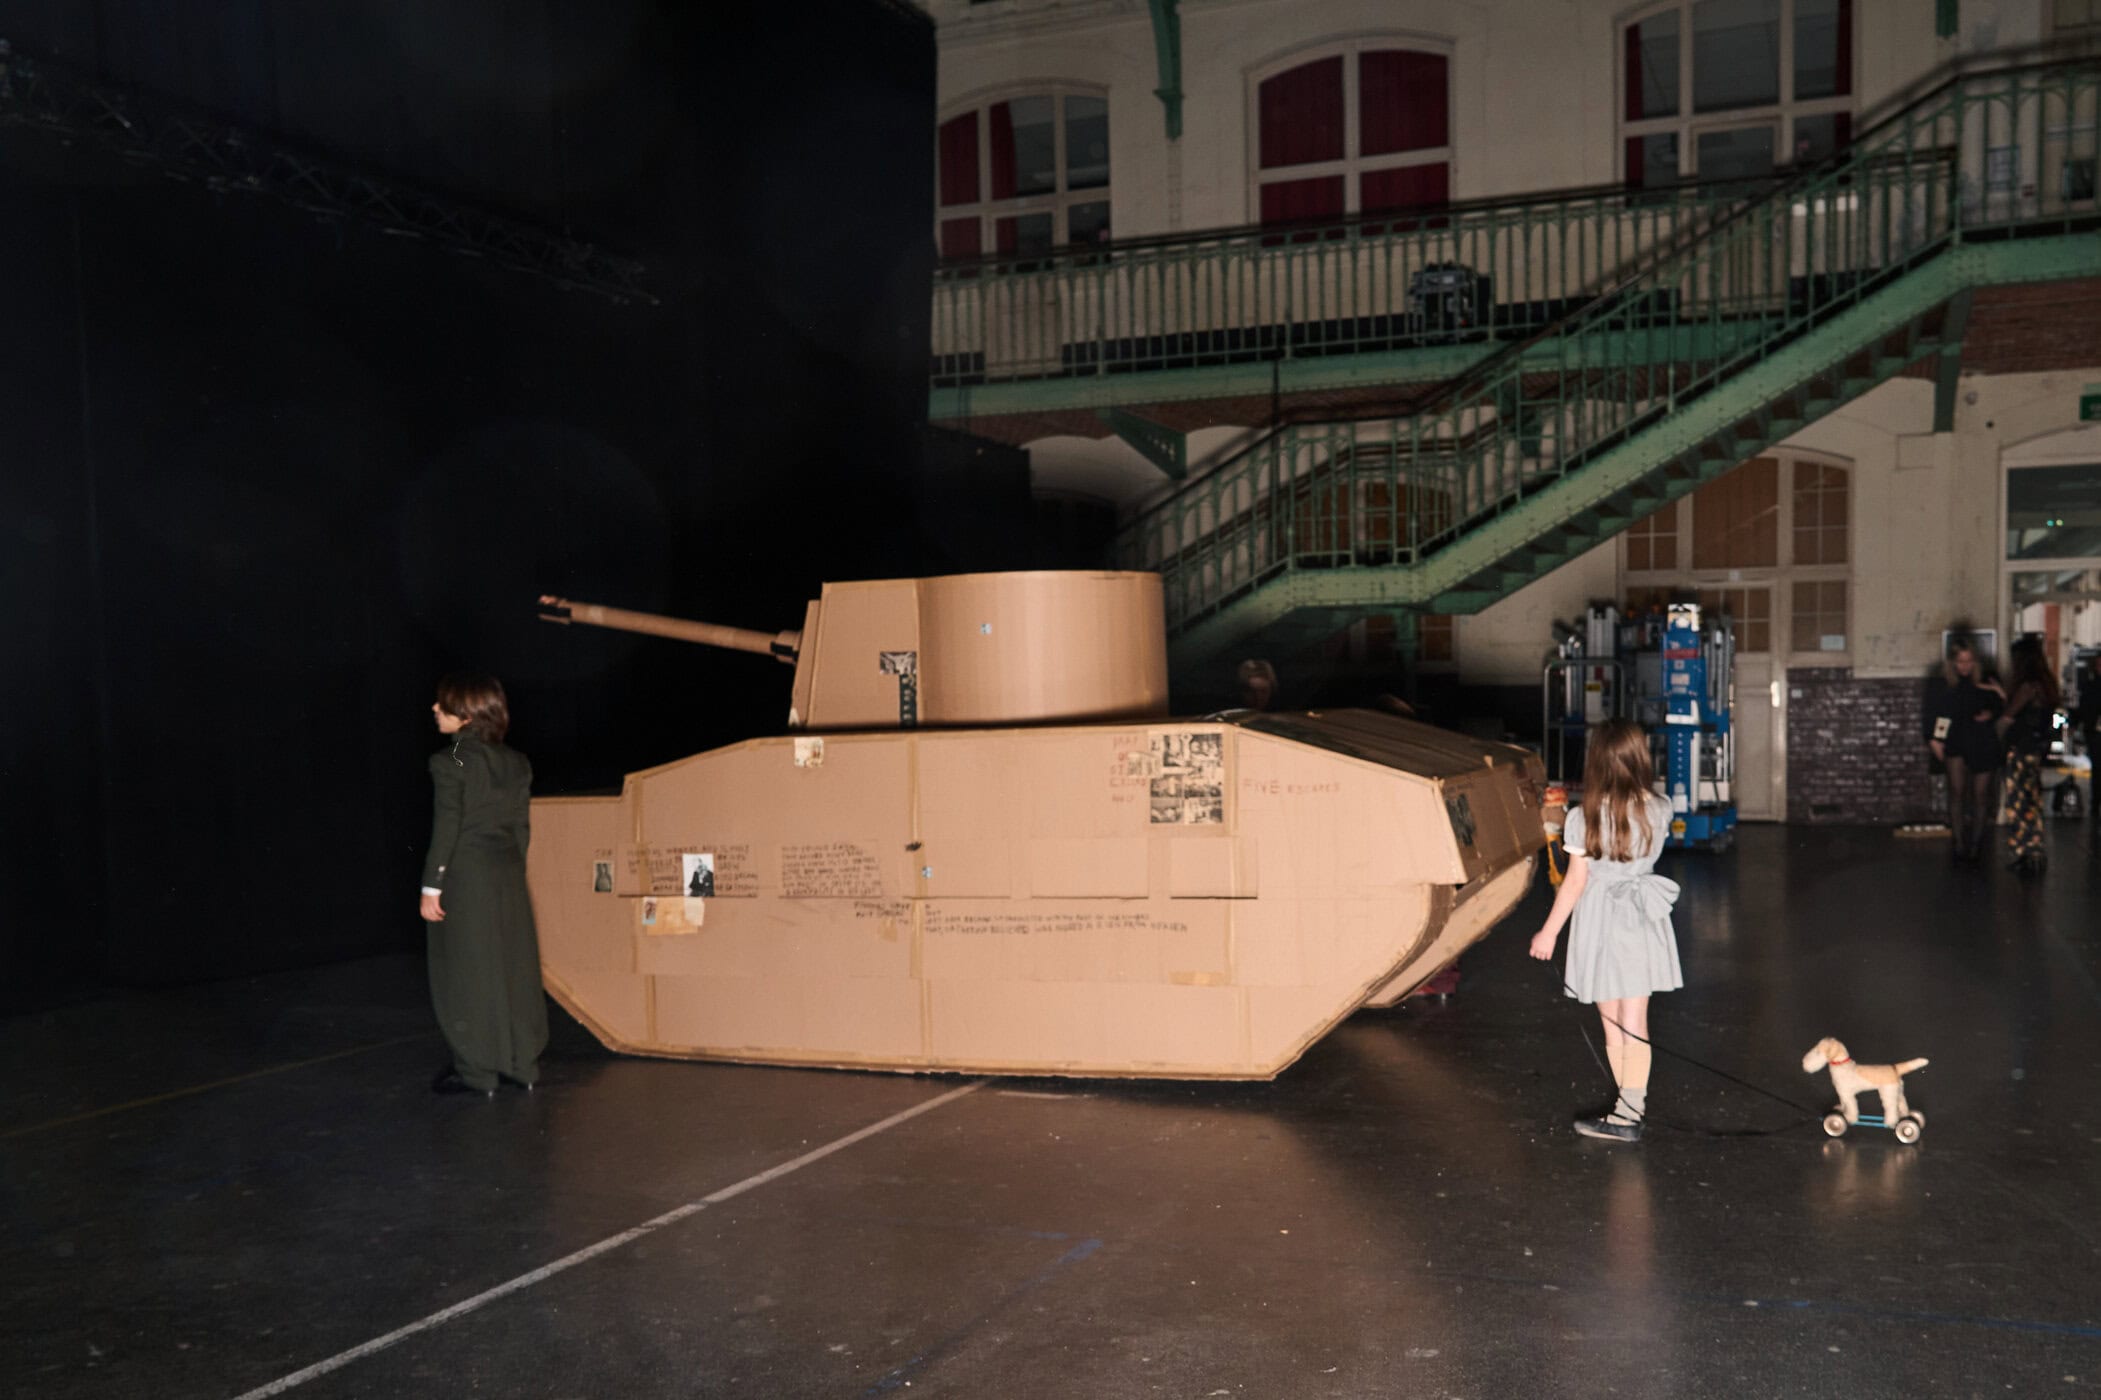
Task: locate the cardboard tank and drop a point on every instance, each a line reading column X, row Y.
column 985, row 847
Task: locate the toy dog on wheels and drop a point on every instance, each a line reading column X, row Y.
column 1852, row 1080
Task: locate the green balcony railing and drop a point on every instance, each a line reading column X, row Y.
column 2004, row 154
column 1502, row 267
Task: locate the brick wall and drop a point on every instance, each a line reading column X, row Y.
column 2041, row 326
column 1854, row 752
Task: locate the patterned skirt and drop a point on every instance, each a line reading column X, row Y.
column 2024, row 806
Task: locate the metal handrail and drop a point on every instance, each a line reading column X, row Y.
column 1662, row 191
column 1975, row 150
column 1321, row 287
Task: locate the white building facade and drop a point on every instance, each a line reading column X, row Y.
column 1844, row 552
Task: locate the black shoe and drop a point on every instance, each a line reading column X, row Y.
column 525, row 1084
column 1609, row 1130
column 449, row 1082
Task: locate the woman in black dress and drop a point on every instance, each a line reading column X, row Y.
column 484, row 949
column 1960, row 732
column 2031, row 708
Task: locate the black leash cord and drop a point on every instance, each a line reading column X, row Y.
column 1806, row 1115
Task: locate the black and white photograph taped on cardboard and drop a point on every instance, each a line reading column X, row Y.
column 697, row 874
column 601, row 877
column 1188, row 787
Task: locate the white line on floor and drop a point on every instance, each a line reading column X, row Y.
column 214, row 1084
column 547, row 1271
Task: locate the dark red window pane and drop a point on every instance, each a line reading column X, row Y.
column 1001, row 142
column 958, row 147
column 1301, row 114
column 1411, row 187
column 1289, row 201
column 1401, row 102
column 960, row 238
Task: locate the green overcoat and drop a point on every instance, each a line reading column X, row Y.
column 485, row 955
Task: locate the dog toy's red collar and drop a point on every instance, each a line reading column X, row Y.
column 1841, row 1059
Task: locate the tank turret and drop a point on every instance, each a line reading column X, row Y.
column 989, row 849
column 1014, row 648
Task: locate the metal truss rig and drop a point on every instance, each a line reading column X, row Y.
column 191, row 144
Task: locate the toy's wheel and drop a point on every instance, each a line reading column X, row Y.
column 1835, row 1124
column 1908, row 1129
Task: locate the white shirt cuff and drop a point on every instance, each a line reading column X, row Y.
column 428, row 890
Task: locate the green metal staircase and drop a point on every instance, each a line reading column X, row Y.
column 1837, row 279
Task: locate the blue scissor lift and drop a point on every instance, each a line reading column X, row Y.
column 1699, row 750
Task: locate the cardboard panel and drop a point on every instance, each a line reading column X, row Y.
column 1495, row 821
column 787, row 938
column 582, row 928
column 1282, row 1022
column 1374, row 737
column 837, row 830
column 1213, row 867
column 1137, row 1027
column 966, row 869
column 1323, row 822
column 805, row 669
column 1027, row 941
column 969, row 786
column 586, row 951
column 857, row 623
column 1071, row 781
column 1014, row 648
column 1478, row 910
column 1345, row 945
column 794, row 1019
column 614, row 1006
column 1089, row 867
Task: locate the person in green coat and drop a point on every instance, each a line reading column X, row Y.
column 484, row 949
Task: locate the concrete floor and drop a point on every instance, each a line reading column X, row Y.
column 207, row 1192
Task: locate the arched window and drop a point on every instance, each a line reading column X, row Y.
column 1024, row 174
column 1724, row 89
column 1361, row 130
column 1769, row 542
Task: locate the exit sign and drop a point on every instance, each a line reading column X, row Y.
column 2090, row 404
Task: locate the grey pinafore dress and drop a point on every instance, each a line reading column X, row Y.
column 1620, row 941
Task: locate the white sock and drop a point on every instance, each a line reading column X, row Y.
column 1634, row 1082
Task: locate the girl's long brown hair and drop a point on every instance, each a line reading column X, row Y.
column 2032, row 667
column 1616, row 777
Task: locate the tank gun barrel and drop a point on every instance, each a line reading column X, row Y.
column 781, row 646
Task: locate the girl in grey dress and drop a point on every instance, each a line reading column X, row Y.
column 1621, row 947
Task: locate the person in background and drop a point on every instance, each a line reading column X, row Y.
column 1257, row 680
column 1960, row 734
column 2026, row 724
column 2086, row 719
column 483, row 947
